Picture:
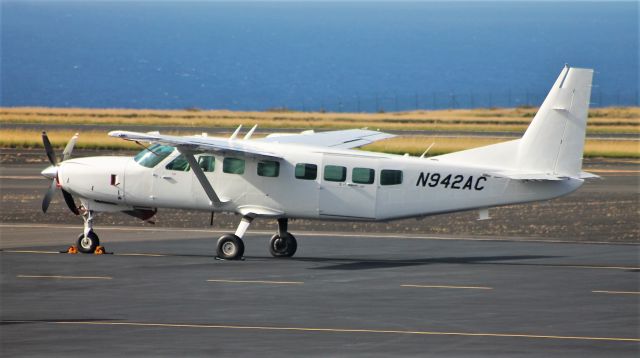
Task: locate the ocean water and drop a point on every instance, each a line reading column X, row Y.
column 364, row 56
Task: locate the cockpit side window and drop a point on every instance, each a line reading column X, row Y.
column 150, row 157
column 207, row 163
column 179, row 164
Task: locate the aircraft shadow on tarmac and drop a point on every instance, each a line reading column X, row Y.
column 356, row 264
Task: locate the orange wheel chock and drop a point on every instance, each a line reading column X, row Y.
column 72, row 250
column 99, row 250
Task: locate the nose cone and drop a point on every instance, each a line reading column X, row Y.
column 50, row 172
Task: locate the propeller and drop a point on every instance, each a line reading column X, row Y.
column 51, row 172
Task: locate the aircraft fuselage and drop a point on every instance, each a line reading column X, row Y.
column 340, row 184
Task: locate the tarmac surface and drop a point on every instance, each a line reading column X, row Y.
column 162, row 293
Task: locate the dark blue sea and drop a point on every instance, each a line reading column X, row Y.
column 340, row 56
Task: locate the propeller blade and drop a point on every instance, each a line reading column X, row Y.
column 66, row 154
column 47, row 197
column 70, row 202
column 48, row 148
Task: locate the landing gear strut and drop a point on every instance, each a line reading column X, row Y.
column 283, row 244
column 88, row 241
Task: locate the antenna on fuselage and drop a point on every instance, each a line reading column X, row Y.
column 427, row 151
column 235, row 134
column 250, row 132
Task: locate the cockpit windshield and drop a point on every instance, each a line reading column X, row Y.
column 150, row 157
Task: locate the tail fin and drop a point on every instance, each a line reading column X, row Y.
column 552, row 146
column 554, row 142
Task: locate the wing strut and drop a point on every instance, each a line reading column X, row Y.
column 208, row 189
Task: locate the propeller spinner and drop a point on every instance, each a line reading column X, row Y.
column 51, row 172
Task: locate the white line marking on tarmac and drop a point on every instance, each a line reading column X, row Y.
column 341, row 330
column 445, row 286
column 22, row 177
column 262, row 282
column 148, row 255
column 31, row 252
column 617, row 292
column 67, row 277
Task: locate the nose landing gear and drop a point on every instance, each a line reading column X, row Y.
column 88, row 241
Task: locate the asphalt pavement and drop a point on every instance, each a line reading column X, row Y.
column 161, row 292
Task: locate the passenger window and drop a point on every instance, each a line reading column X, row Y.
column 233, row 165
column 268, row 168
column 150, row 157
column 363, row 175
column 390, row 177
column 207, row 163
column 306, row 171
column 179, row 164
column 335, row 173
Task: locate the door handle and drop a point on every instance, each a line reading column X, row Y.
column 166, row 177
column 352, row 184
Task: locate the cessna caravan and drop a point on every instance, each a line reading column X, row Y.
column 321, row 176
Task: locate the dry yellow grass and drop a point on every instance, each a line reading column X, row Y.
column 416, row 145
column 19, row 138
column 413, row 145
column 603, row 120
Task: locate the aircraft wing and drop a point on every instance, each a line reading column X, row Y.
column 199, row 144
column 342, row 139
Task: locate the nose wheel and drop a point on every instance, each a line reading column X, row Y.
column 87, row 244
column 88, row 241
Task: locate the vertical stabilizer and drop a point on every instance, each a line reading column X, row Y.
column 554, row 142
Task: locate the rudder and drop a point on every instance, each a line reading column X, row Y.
column 554, row 142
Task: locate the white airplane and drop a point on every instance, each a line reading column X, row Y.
column 320, row 176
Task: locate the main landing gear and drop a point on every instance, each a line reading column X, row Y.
column 282, row 244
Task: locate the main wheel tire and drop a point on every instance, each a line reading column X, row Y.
column 230, row 247
column 284, row 246
column 87, row 245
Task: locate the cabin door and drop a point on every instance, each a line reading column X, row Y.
column 348, row 187
column 171, row 183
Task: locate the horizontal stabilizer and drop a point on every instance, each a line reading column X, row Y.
column 585, row 175
column 517, row 175
column 531, row 176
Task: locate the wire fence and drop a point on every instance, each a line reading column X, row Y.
column 449, row 100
